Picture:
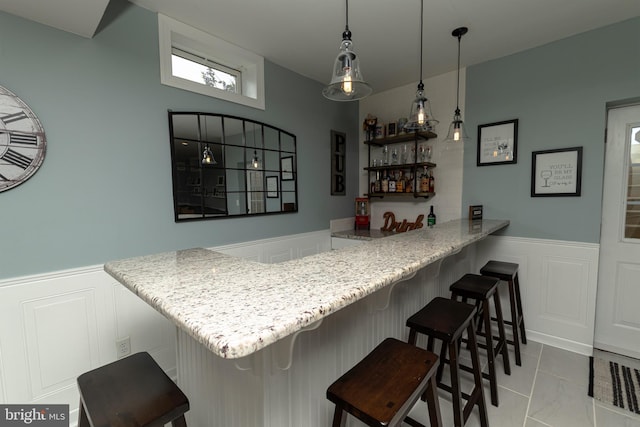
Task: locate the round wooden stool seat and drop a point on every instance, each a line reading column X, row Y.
column 508, row 272
column 383, row 387
column 131, row 392
column 482, row 289
column 447, row 320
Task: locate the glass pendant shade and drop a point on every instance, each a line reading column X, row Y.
column 207, row 156
column 347, row 83
column 420, row 118
column 255, row 161
column 457, row 129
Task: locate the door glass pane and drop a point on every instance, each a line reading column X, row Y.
column 632, row 220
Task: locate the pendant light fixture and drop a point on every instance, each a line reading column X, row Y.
column 255, row 161
column 457, row 131
column 420, row 118
column 207, row 156
column 347, row 83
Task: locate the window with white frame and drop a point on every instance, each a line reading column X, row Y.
column 193, row 60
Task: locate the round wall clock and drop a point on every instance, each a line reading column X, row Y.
column 22, row 141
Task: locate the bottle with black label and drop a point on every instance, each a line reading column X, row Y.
column 392, row 182
column 431, row 218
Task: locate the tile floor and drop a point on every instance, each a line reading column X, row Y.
column 549, row 389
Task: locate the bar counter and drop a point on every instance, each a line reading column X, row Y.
column 235, row 310
column 235, row 307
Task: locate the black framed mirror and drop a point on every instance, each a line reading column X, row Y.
column 226, row 166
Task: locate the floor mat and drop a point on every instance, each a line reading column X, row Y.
column 614, row 383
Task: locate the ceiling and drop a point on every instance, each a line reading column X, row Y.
column 304, row 35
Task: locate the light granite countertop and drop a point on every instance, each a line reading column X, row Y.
column 235, row 307
column 362, row 234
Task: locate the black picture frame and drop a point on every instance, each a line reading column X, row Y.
column 556, row 173
column 498, row 143
column 338, row 163
column 392, row 129
column 272, row 187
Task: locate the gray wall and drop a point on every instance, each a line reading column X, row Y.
column 104, row 190
column 559, row 93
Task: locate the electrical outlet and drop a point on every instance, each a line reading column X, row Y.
column 123, row 347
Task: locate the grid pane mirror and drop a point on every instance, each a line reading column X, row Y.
column 226, row 166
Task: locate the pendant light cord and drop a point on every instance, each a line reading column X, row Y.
column 458, row 85
column 347, row 14
column 458, row 33
column 421, row 36
column 346, row 35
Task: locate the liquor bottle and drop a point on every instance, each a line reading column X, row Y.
column 385, row 182
column 400, row 183
column 377, row 185
column 392, row 183
column 431, row 218
column 408, row 186
column 432, row 183
column 424, row 182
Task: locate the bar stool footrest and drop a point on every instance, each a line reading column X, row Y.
column 412, row 422
column 448, row 389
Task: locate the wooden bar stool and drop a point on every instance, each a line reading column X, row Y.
column 131, row 392
column 481, row 289
column 508, row 272
column 383, row 387
column 447, row 320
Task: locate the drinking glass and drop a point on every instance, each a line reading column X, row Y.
column 385, row 155
column 394, row 156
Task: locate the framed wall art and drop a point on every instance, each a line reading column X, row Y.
column 338, row 163
column 272, row 187
column 498, row 143
column 391, row 129
column 556, row 172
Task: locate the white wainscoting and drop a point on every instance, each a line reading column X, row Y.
column 55, row 326
column 558, row 282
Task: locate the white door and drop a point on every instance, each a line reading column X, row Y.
column 618, row 300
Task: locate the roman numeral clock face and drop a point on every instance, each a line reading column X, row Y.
column 22, row 141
